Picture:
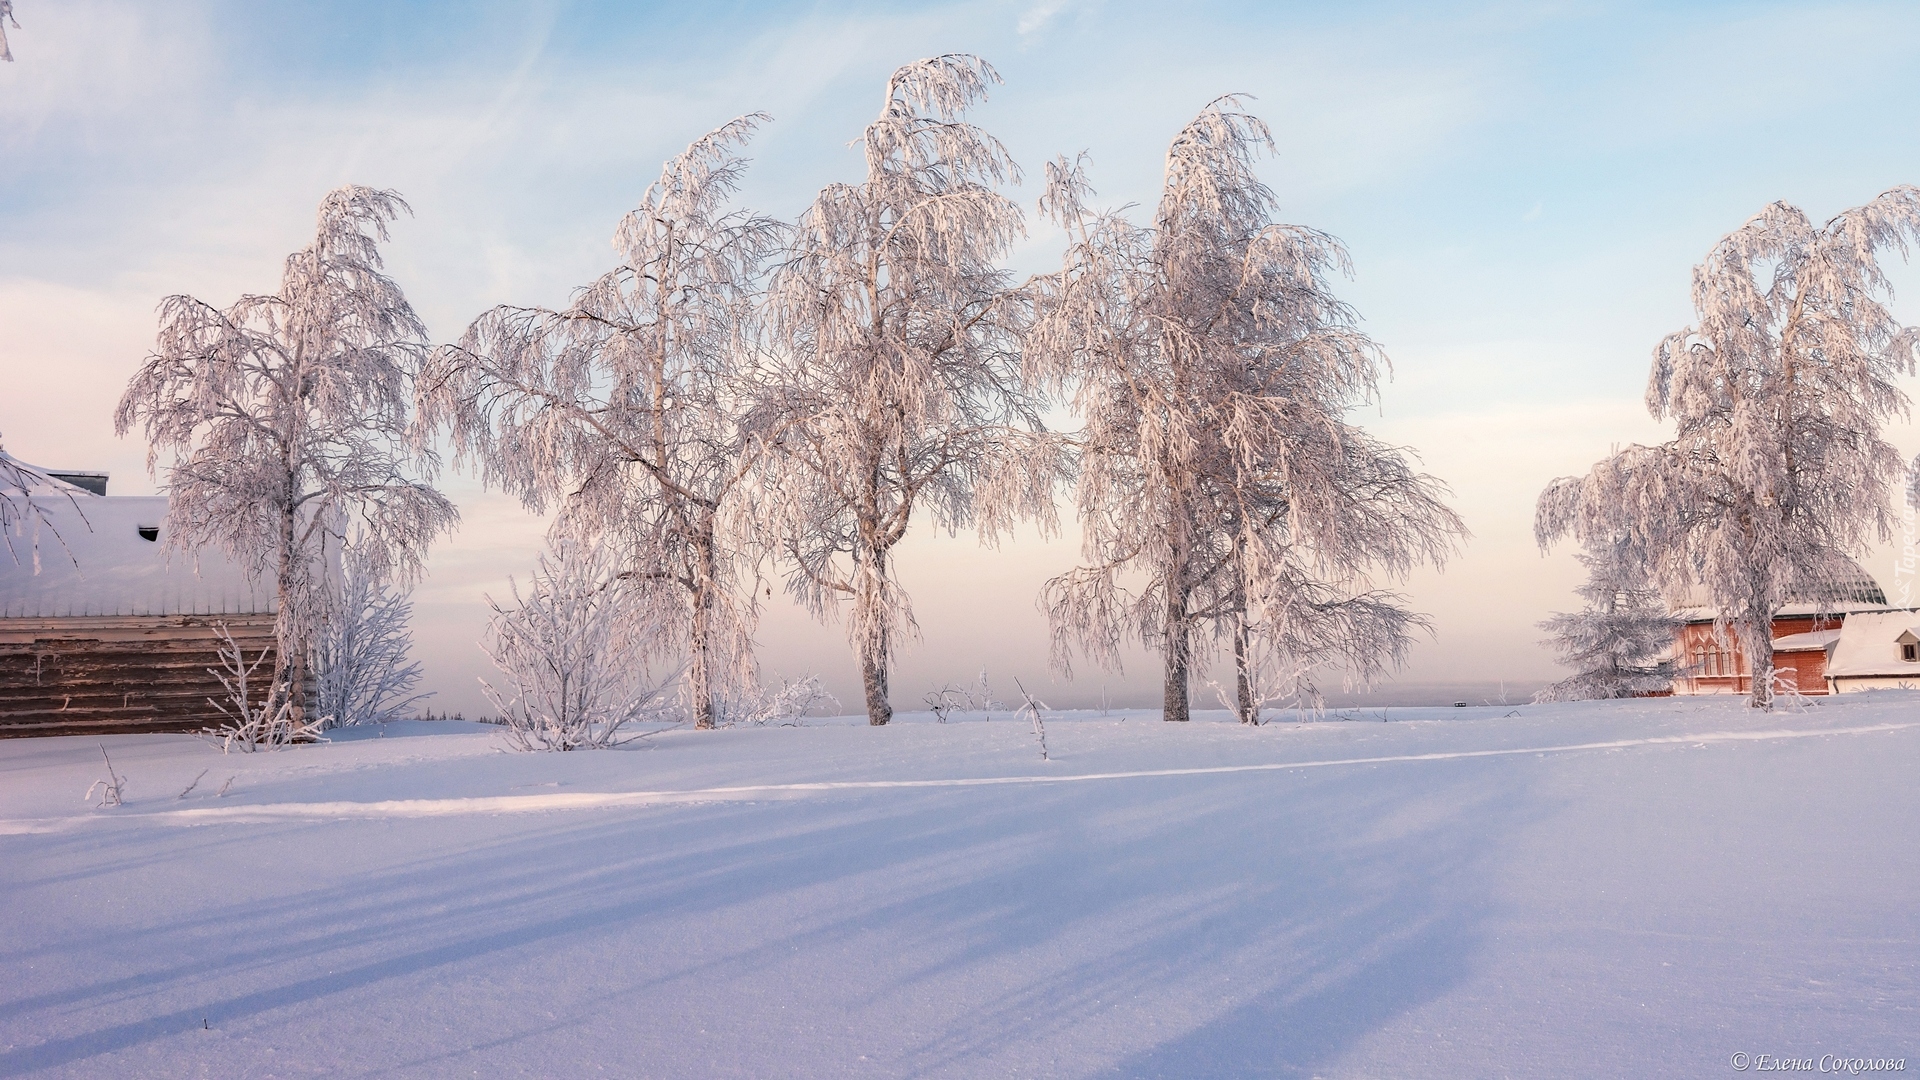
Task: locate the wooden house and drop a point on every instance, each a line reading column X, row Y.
column 103, row 629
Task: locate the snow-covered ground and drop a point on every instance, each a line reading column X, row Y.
column 1611, row 889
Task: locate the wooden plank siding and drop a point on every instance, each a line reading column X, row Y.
column 119, row 674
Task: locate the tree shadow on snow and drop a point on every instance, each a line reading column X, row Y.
column 1268, row 921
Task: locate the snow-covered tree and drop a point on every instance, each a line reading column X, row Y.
column 1214, row 369
column 573, row 651
column 6, row 16
column 1778, row 470
column 1621, row 644
column 904, row 391
column 362, row 673
column 637, row 407
column 286, row 418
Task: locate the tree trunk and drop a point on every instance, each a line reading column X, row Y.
column 290, row 639
column 700, row 650
column 1176, row 630
column 873, row 643
column 1173, row 705
column 873, row 676
column 1243, row 675
column 1757, row 640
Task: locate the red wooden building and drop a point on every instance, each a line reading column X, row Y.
column 1804, row 635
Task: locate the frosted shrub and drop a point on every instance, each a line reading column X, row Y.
column 572, row 654
column 361, row 671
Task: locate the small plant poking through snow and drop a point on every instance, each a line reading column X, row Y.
column 573, row 654
column 113, row 790
column 1031, row 709
column 951, row 699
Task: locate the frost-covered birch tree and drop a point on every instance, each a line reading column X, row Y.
column 1778, row 470
column 904, row 389
column 638, row 408
column 1621, row 643
column 285, row 419
column 1214, row 369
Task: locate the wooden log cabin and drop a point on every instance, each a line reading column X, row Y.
column 1805, row 634
column 103, row 629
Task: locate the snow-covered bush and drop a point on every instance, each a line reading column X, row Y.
column 572, row 653
column 256, row 719
column 361, row 671
column 758, row 707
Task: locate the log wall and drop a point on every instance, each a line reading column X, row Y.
column 115, row 674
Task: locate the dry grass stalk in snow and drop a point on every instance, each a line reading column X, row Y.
column 904, row 386
column 113, row 790
column 1777, row 472
column 641, row 408
column 572, row 653
column 950, row 699
column 286, row 418
column 1214, row 368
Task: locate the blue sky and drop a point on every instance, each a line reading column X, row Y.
column 1524, row 188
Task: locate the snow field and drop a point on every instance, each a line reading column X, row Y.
column 1634, row 888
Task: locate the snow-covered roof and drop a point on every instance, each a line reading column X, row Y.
column 14, row 474
column 1870, row 645
column 102, row 564
column 1858, row 592
column 1808, row 642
